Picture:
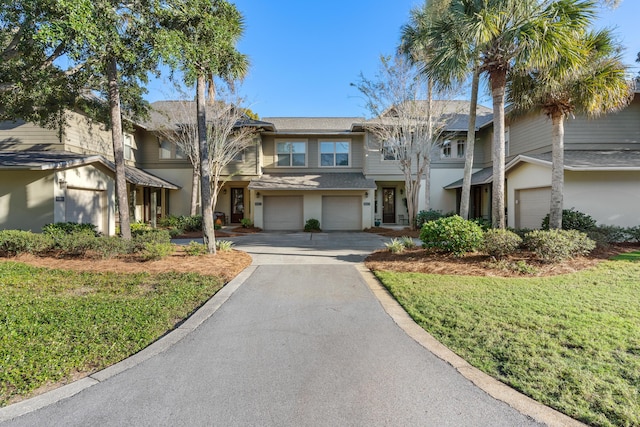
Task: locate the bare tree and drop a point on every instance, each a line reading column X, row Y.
column 229, row 132
column 407, row 123
column 180, row 129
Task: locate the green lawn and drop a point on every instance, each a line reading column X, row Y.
column 571, row 342
column 56, row 323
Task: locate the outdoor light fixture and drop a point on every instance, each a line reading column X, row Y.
column 366, row 194
column 258, row 194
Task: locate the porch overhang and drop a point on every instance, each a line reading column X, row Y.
column 312, row 182
column 483, row 176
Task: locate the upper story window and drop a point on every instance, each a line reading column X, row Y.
column 389, row 151
column 506, row 140
column 239, row 158
column 334, row 153
column 291, row 154
column 452, row 149
column 170, row 151
column 128, row 146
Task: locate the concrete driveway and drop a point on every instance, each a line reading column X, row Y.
column 298, row 339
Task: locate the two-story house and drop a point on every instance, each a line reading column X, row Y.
column 329, row 169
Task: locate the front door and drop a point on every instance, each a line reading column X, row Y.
column 237, row 205
column 389, row 205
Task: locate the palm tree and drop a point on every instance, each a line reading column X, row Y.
column 594, row 85
column 502, row 35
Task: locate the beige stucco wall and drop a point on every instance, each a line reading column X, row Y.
column 26, row 199
column 611, row 198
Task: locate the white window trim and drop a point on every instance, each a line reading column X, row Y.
column 506, row 141
column 173, row 152
column 334, row 141
column 390, row 147
column 453, row 144
column 275, row 153
column 128, row 142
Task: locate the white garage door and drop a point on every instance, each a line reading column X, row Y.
column 282, row 213
column 84, row 206
column 532, row 206
column 342, row 213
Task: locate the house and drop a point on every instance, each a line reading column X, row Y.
column 332, row 169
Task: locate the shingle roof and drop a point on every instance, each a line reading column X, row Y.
column 483, row 176
column 313, row 124
column 52, row 160
column 593, row 159
column 325, row 181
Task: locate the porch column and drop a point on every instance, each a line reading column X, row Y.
column 154, row 208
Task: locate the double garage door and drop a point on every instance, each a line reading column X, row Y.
column 287, row 213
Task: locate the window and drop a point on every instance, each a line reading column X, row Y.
column 460, row 147
column 506, row 140
column 291, row 154
column 170, row 151
column 128, row 147
column 334, row 153
column 453, row 148
column 239, row 158
column 388, row 151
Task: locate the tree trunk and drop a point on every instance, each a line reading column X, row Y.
column 430, row 142
column 498, row 80
column 208, row 230
column 557, row 171
column 194, row 192
column 118, row 148
column 471, row 139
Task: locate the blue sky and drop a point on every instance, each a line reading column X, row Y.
column 304, row 55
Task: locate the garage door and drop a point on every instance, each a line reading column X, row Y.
column 85, row 207
column 532, row 205
column 282, row 213
column 342, row 213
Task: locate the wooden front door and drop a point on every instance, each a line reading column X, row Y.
column 388, row 205
column 237, row 204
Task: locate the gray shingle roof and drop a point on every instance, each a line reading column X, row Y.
column 313, row 124
column 483, row 176
column 325, row 181
column 52, row 160
column 593, row 159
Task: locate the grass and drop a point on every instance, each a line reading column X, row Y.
column 55, row 324
column 571, row 342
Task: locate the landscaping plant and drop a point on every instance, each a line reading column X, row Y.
column 498, row 243
column 451, row 234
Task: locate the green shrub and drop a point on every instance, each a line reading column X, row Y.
column 155, row 251
column 484, row 223
column 59, row 228
column 76, row 243
column 558, row 245
column 395, row 246
column 426, row 216
column 110, row 246
column 195, row 249
column 174, row 232
column 573, row 220
column 610, row 234
column 246, row 223
column 499, row 243
column 312, row 225
column 634, row 233
column 14, row 242
column 140, row 239
column 224, row 245
column 138, row 228
column 451, row 234
column 191, row 223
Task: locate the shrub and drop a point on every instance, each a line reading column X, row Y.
column 634, row 233
column 246, row 223
column 182, row 222
column 195, row 249
column 13, row 242
column 499, row 243
column 154, row 251
column 312, row 225
column 140, row 239
column 395, row 246
column 610, row 234
column 224, row 245
column 59, row 228
column 451, row 234
column 573, row 220
column 110, row 246
column 484, row 223
column 138, row 228
column 174, row 232
column 558, row 245
column 426, row 216
column 77, row 243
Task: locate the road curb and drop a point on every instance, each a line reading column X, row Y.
column 162, row 344
column 496, row 389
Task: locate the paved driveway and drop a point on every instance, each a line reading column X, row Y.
column 301, row 342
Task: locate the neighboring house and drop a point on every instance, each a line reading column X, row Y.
column 329, row 169
column 67, row 175
column 602, row 167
